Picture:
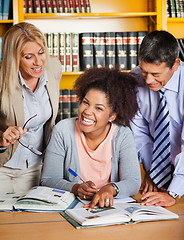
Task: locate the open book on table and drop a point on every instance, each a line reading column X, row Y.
column 39, row 198
column 119, row 213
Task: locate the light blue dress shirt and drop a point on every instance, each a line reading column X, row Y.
column 36, row 102
column 144, row 122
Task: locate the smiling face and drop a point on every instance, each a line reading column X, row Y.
column 95, row 113
column 32, row 61
column 157, row 75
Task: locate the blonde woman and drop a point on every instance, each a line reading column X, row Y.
column 29, row 93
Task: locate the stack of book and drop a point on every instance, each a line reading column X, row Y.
column 102, row 49
column 65, row 46
column 68, row 105
column 5, row 9
column 57, row 6
column 110, row 49
column 175, row 8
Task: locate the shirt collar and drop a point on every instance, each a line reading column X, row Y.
column 42, row 81
column 173, row 83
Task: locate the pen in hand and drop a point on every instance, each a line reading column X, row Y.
column 76, row 175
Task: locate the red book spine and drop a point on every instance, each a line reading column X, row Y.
column 37, row 6
column 29, row 6
column 82, row 6
column 88, row 6
column 54, row 6
column 77, row 6
column 24, row 6
column 43, row 6
column 71, row 4
column 65, row 5
column 49, row 6
column 60, row 6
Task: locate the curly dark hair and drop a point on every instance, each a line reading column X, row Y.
column 119, row 87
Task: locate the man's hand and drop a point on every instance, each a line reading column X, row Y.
column 158, row 199
column 149, row 185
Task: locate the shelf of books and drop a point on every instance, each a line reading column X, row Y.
column 84, row 33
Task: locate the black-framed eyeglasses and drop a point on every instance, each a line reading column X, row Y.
column 28, row 146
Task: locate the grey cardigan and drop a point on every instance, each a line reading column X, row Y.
column 62, row 154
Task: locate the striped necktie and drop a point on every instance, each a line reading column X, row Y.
column 160, row 171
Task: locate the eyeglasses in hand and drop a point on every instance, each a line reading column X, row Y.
column 30, row 147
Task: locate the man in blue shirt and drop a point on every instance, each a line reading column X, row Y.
column 160, row 69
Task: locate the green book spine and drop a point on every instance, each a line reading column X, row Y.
column 62, row 50
column 68, row 44
column 49, row 38
column 56, row 44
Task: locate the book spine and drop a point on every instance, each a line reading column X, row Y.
column 37, row 8
column 66, row 103
column 68, row 52
column 49, row 38
column 99, row 49
column 62, row 50
column 6, row 7
column 49, row 6
column 30, row 6
column 173, row 8
column 71, row 6
column 140, row 36
column 60, row 6
column 121, row 50
column 110, row 49
column 65, row 5
column 54, row 6
column 1, row 9
column 182, row 8
column 178, row 8
column 82, row 6
column 77, row 6
column 24, row 6
column 75, row 52
column 132, row 49
column 74, row 104
column 168, row 8
column 86, row 50
column 88, row 6
column 43, row 6
column 55, row 45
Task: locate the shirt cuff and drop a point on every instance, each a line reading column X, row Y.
column 176, row 185
column 2, row 149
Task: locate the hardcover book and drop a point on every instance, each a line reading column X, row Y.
column 30, row 6
column 66, row 103
column 88, row 6
column 99, row 49
column 82, row 6
column 110, row 49
column 55, row 44
column 37, row 8
column 71, row 6
column 65, row 6
column 6, row 8
column 120, row 213
column 62, row 50
column 43, row 6
column 75, row 52
column 86, row 51
column 60, row 6
column 49, row 6
column 77, row 6
column 68, row 44
column 132, row 49
column 74, row 104
column 54, row 6
column 121, row 50
column 39, row 198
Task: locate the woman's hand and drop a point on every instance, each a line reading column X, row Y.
column 104, row 197
column 83, row 191
column 11, row 135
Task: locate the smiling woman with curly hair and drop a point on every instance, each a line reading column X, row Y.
column 98, row 145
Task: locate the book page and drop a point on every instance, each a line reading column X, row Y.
column 7, row 200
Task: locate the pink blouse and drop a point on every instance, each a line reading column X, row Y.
column 95, row 164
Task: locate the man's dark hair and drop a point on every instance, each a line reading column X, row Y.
column 158, row 47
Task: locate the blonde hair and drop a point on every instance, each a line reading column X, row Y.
column 12, row 46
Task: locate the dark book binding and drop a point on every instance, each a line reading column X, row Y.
column 110, row 49
column 132, row 49
column 121, row 50
column 99, row 49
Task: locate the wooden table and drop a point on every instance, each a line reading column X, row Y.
column 52, row 226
